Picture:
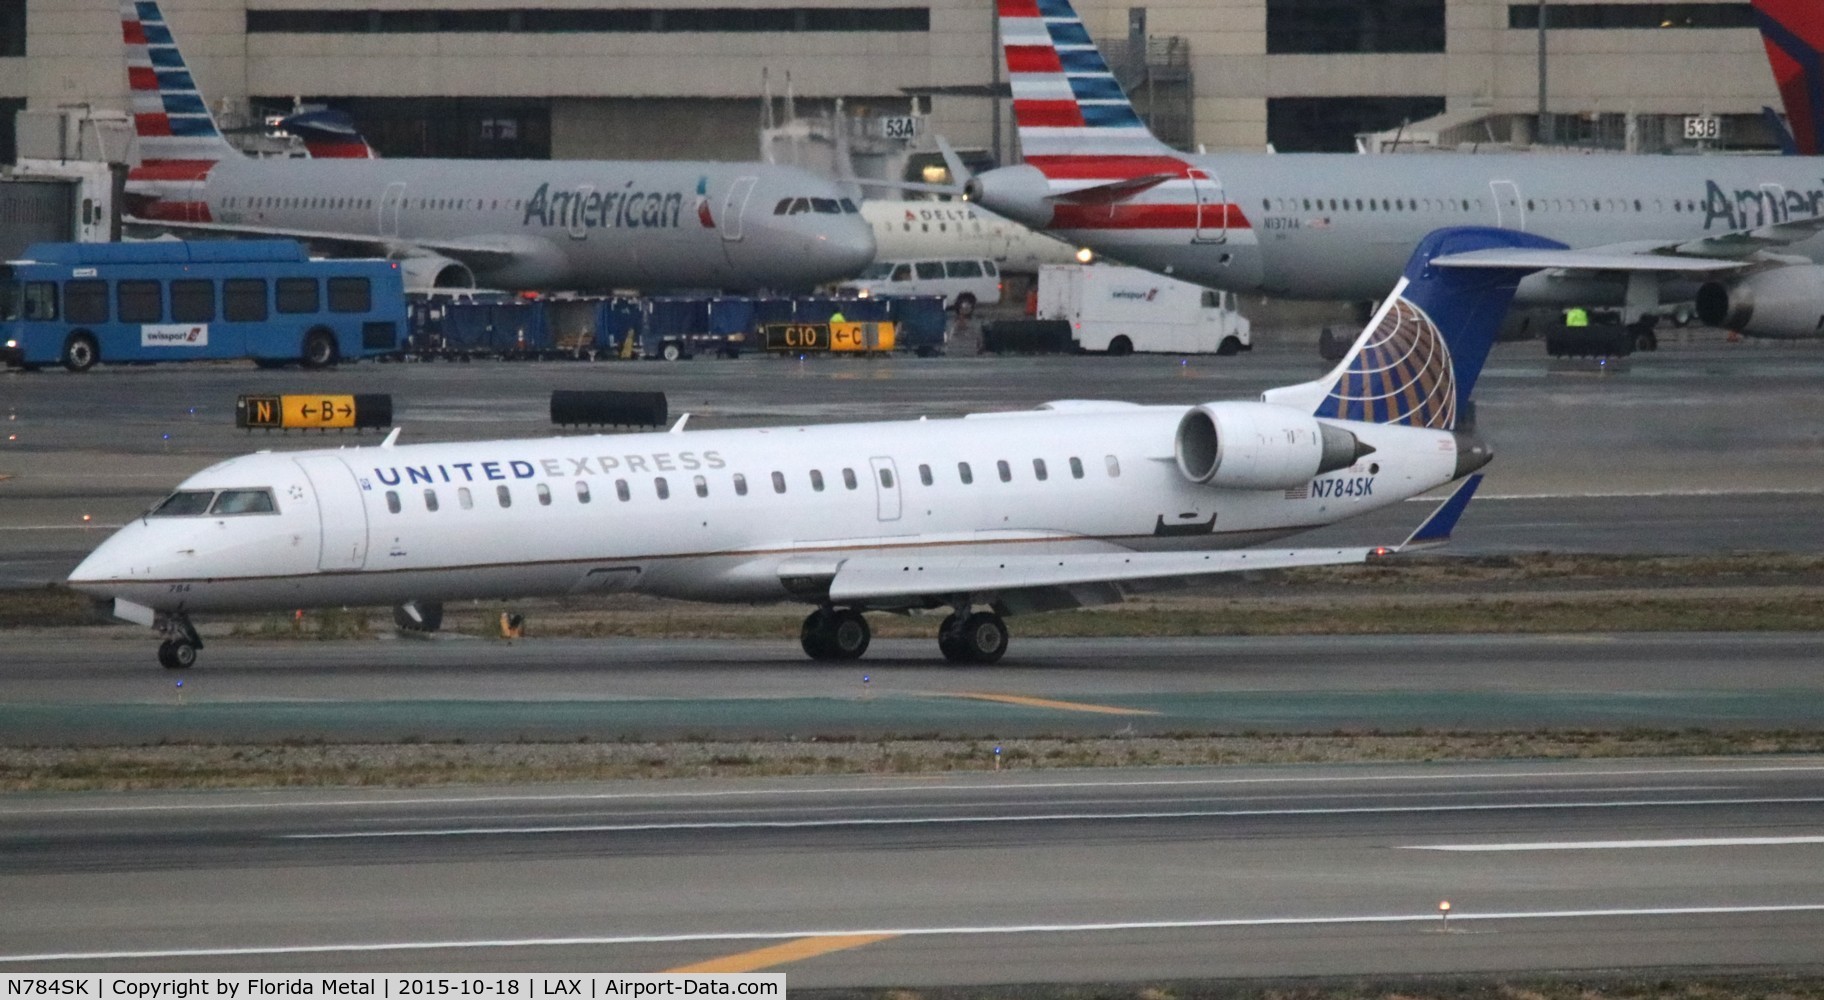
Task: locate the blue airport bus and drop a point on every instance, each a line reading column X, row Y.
column 81, row 303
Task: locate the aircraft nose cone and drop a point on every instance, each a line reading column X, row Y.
column 849, row 248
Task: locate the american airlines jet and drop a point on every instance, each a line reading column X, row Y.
column 586, row 225
column 989, row 515
column 1737, row 233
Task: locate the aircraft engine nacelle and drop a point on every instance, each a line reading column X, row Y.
column 1260, row 446
column 1021, row 193
column 1785, row 302
column 422, row 272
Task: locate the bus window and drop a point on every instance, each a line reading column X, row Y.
column 9, row 296
column 350, row 295
column 249, row 502
column 192, row 300
column 86, row 301
column 40, row 300
column 929, row 270
column 184, row 503
column 139, row 301
column 296, row 295
column 244, row 300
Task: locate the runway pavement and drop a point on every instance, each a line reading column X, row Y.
column 1062, row 876
column 106, row 689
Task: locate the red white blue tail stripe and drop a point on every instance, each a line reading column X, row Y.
column 1078, row 128
column 178, row 140
column 1793, row 32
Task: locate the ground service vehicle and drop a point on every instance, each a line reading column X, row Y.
column 81, row 303
column 1121, row 310
column 969, row 281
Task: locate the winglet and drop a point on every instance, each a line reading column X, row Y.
column 1436, row 529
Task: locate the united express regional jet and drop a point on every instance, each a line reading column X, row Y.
column 988, row 515
column 1737, row 234
column 584, row 225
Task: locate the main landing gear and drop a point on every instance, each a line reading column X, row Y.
column 830, row 633
column 178, row 651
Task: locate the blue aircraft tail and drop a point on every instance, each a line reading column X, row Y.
column 1418, row 359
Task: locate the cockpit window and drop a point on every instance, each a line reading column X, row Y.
column 826, row 206
column 848, row 207
column 784, row 203
column 184, row 503
column 800, row 206
column 244, row 502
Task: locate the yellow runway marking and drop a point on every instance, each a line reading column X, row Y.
column 780, row 954
column 1062, row 706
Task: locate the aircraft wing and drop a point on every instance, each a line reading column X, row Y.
column 482, row 251
column 1730, row 251
column 1029, row 583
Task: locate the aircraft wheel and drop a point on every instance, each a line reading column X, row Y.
column 849, row 635
column 80, row 352
column 984, row 637
column 950, row 640
column 176, row 654
column 814, row 634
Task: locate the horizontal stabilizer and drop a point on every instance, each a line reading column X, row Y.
column 1114, row 191
column 1436, row 529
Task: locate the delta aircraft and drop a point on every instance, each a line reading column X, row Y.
column 585, row 225
column 989, row 515
column 1737, row 234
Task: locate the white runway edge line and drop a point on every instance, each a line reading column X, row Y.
column 804, row 824
column 1620, row 845
column 306, row 802
column 1082, row 928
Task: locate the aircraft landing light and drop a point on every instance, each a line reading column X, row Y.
column 779, row 954
column 1061, row 706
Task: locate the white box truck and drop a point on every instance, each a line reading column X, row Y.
column 1120, row 310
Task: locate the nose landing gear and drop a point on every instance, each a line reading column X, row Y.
column 178, row 651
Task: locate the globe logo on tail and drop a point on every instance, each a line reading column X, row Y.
column 1399, row 374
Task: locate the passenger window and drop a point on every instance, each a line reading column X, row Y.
column 86, row 301
column 297, row 295
column 817, row 480
column 778, row 482
column 848, row 478
column 582, row 491
column 621, row 490
column 544, row 495
column 702, row 486
column 464, row 498
column 1005, row 470
column 350, row 295
column 185, row 503
column 963, row 472
column 740, row 485
column 1076, row 467
column 886, row 478
column 192, row 301
column 243, row 502
column 392, row 501
column 244, row 300
column 1114, row 466
column 1038, row 469
column 929, row 270
column 138, row 302
column 662, row 487
column 924, row 474
column 430, row 500
column 505, row 495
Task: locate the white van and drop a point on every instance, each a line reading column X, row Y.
column 973, row 281
column 1121, row 310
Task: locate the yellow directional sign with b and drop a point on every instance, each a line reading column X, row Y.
column 322, row 412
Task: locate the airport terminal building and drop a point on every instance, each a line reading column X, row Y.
column 683, row 78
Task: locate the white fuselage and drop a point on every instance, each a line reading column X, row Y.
column 357, row 526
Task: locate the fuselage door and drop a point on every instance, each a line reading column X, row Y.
column 577, row 213
column 1510, row 212
column 1212, row 208
column 886, row 488
column 340, row 510
column 735, row 206
column 390, row 202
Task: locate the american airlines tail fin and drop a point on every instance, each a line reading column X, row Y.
column 329, row 134
column 1066, row 102
column 178, row 139
column 1793, row 31
column 1418, row 359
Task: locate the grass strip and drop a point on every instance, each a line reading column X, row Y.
column 1654, row 984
